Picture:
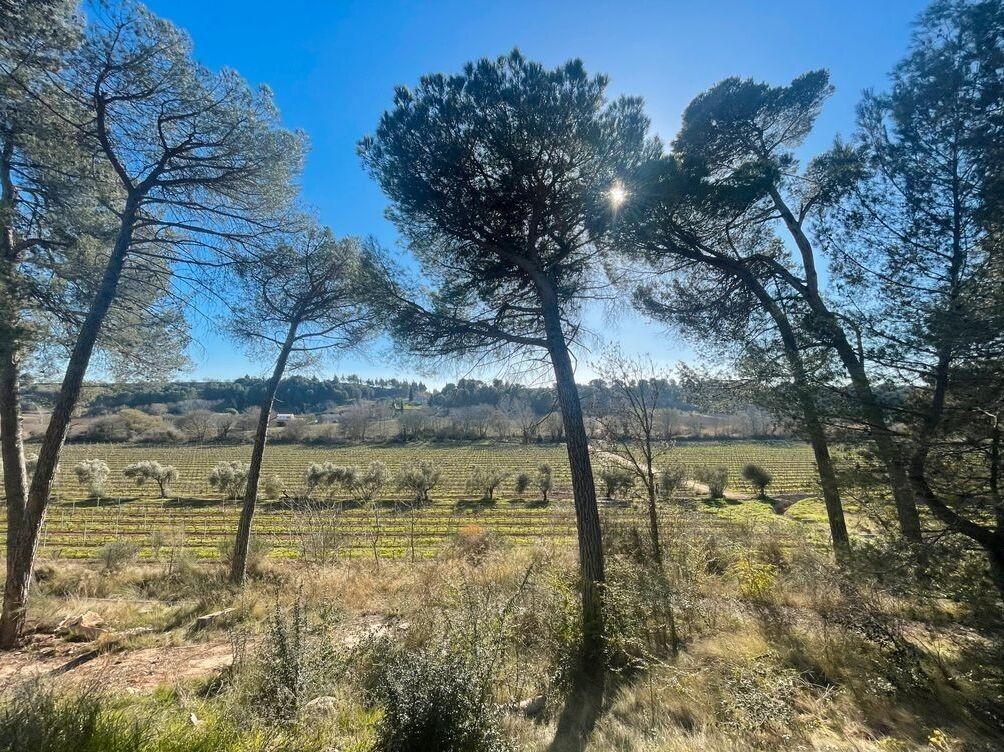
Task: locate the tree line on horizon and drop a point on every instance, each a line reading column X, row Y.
column 858, row 293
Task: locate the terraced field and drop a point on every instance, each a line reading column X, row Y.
column 197, row 520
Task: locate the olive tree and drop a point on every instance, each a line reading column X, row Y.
column 308, row 295
column 198, row 162
column 162, row 475
column 92, row 473
column 495, row 175
column 229, row 478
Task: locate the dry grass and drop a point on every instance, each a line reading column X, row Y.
column 780, row 649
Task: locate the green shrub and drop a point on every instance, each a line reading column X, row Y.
column 292, row 666
column 117, row 553
column 485, row 481
column 434, row 701
column 229, row 478
column 758, row 477
column 522, row 483
column 419, row 481
column 716, row 479
column 616, row 480
column 545, row 481
column 37, row 718
column 275, row 486
column 671, row 479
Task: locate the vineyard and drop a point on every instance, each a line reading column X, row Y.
column 197, row 520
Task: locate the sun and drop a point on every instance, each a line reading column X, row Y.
column 617, row 195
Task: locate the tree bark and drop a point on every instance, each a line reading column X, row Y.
column 11, row 438
column 653, row 527
column 242, row 543
column 814, row 429
column 872, row 410
column 587, row 515
column 21, row 557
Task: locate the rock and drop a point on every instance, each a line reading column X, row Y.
column 532, row 706
column 323, row 705
column 88, row 626
column 208, row 620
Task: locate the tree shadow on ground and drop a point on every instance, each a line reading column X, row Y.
column 528, row 503
column 194, row 502
column 720, row 502
column 99, row 501
column 583, row 707
column 475, row 505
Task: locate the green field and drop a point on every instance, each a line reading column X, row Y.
column 199, row 520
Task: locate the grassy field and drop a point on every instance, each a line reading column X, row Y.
column 198, row 520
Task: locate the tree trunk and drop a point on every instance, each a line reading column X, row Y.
column 813, row 422
column 22, row 558
column 11, row 439
column 872, row 410
column 242, row 543
column 587, row 516
column 11, row 444
column 653, row 522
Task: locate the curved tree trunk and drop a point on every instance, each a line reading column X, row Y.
column 587, row 516
column 242, row 543
column 814, row 429
column 21, row 558
column 872, row 410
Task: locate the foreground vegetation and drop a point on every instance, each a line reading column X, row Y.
column 774, row 649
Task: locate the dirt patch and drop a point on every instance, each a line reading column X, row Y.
column 131, row 671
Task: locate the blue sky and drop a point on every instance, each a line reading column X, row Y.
column 333, row 66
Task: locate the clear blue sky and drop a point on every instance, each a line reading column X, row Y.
column 333, row 66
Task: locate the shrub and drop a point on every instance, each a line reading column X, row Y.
column 616, row 480
column 292, row 666
column 485, row 481
column 474, row 543
column 31, row 462
column 318, row 475
column 545, row 481
column 522, row 483
column 715, row 478
column 756, row 578
column 258, row 548
column 229, row 478
column 758, row 477
column 372, row 481
column 356, row 482
column 162, row 475
column 38, row 718
column 117, row 553
column 671, row 479
column 275, row 486
column 419, row 481
column 435, row 701
column 93, row 474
